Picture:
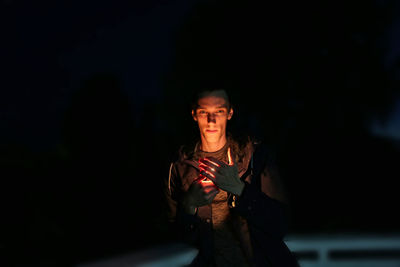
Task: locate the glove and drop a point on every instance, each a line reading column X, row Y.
column 200, row 193
column 224, row 176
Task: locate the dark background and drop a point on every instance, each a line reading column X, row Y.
column 94, row 102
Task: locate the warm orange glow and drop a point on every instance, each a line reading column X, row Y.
column 206, row 182
column 209, row 173
column 212, row 162
column 230, row 162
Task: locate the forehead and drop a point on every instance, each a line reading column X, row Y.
column 212, row 102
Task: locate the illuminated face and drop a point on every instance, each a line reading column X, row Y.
column 212, row 116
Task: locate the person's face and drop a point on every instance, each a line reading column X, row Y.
column 212, row 116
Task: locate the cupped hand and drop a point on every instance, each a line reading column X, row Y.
column 200, row 193
column 225, row 176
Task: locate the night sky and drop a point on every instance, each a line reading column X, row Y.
column 94, row 102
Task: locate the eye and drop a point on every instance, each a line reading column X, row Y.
column 221, row 111
column 201, row 112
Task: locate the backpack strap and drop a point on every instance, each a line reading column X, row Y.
column 258, row 160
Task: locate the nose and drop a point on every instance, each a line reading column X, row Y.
column 211, row 117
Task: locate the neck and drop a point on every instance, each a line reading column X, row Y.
column 212, row 146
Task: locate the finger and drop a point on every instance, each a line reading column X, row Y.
column 208, row 162
column 204, row 167
column 212, row 162
column 210, row 169
column 216, row 162
column 208, row 175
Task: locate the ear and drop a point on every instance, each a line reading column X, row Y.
column 230, row 114
column 194, row 116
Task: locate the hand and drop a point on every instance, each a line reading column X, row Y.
column 200, row 193
column 225, row 176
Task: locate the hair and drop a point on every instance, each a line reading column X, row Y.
column 210, row 92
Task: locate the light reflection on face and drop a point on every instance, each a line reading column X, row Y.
column 212, row 116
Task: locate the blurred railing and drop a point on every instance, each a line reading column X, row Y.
column 169, row 255
column 311, row 250
column 353, row 250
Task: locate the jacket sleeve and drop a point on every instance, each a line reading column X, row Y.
column 263, row 201
column 184, row 226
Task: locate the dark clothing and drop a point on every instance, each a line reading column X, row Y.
column 229, row 250
column 258, row 216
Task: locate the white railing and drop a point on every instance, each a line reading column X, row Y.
column 312, row 250
column 169, row 255
column 345, row 250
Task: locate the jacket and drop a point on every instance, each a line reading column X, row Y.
column 261, row 210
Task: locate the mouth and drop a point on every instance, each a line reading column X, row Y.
column 211, row 131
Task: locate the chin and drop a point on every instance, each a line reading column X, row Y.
column 212, row 139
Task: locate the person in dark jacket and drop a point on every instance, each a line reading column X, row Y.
column 225, row 196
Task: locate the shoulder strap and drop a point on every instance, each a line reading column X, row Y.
column 258, row 162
